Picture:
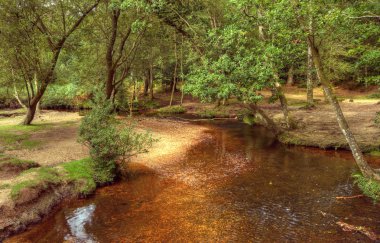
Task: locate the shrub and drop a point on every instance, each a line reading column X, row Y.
column 369, row 187
column 109, row 141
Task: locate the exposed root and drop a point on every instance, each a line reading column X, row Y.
column 363, row 230
column 350, row 197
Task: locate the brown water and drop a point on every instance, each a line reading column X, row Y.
column 237, row 185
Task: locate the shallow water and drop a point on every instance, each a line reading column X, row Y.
column 237, row 184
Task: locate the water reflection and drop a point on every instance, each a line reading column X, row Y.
column 239, row 185
column 77, row 221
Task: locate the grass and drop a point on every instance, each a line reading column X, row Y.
column 79, row 172
column 250, row 119
column 172, row 110
column 369, row 187
column 16, row 164
column 373, row 96
column 12, row 112
column 18, row 136
column 82, row 173
column 377, row 118
column 5, row 186
column 375, row 153
column 213, row 113
column 43, row 179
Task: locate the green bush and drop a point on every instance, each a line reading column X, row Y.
column 109, row 141
column 369, row 187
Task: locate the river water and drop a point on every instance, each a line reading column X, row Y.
column 237, row 185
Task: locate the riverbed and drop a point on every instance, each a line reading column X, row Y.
column 236, row 184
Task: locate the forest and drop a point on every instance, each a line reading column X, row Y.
column 189, row 120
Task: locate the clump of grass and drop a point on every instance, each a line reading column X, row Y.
column 12, row 112
column 377, row 118
column 212, row 113
column 44, row 178
column 5, row 186
column 250, row 119
column 16, row 164
column 374, row 96
column 375, row 153
column 172, row 110
column 81, row 172
column 369, row 187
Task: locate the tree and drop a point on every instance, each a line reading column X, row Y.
column 36, row 34
column 329, row 19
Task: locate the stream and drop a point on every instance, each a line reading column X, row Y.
column 237, row 185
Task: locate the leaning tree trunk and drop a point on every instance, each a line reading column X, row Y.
column 326, row 84
column 278, row 92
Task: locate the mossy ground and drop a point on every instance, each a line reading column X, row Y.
column 19, row 137
column 7, row 163
column 79, row 173
column 172, row 110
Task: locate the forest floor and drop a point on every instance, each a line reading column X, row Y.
column 51, row 143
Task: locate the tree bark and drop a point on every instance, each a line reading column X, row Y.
column 366, row 170
column 290, row 80
column 151, row 86
column 309, row 80
column 175, row 71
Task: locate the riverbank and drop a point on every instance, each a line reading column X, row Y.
column 60, row 170
column 315, row 127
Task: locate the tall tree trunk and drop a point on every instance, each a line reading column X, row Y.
column 147, row 82
column 175, row 71
column 326, row 84
column 309, row 80
column 290, row 80
column 182, row 79
column 151, row 81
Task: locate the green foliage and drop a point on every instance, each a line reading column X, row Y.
column 81, row 172
column 369, row 187
column 109, row 140
column 176, row 109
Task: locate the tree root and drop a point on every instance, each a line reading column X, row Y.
column 350, row 197
column 363, row 230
